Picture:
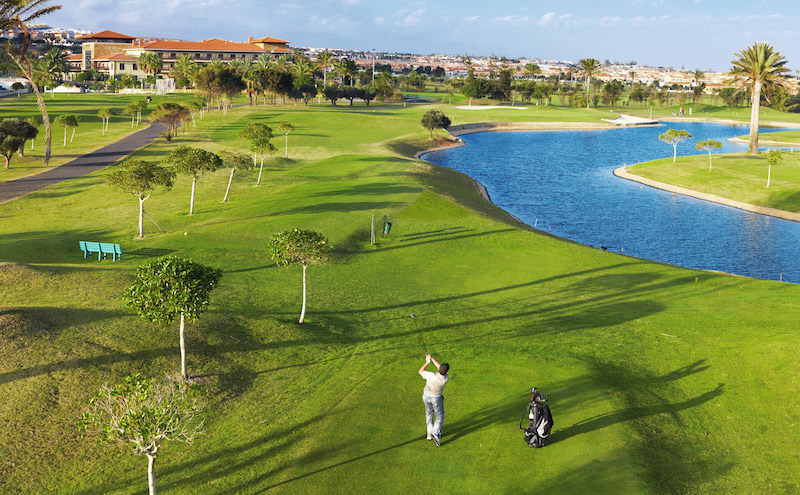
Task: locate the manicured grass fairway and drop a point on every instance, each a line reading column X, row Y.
column 662, row 380
column 88, row 134
column 739, row 176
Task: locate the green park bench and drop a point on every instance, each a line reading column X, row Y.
column 103, row 249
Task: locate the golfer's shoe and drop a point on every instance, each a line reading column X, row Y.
column 436, row 440
column 429, row 437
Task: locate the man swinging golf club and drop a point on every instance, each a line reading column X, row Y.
column 432, row 397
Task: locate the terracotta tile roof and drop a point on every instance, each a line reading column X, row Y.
column 75, row 56
column 270, row 39
column 207, row 45
column 107, row 35
column 122, row 56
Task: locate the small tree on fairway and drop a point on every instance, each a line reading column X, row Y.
column 234, row 161
column 140, row 178
column 674, row 137
column 105, row 114
column 9, row 144
column 255, row 130
column 67, row 120
column 17, row 86
column 306, row 247
column 708, row 146
column 194, row 162
column 131, row 109
column 19, row 128
column 36, row 122
column 773, row 156
column 171, row 115
column 262, row 146
column 435, row 119
column 141, row 414
column 172, row 287
column 285, row 128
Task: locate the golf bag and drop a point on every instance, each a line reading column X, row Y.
column 540, row 421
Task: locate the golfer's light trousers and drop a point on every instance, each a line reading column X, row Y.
column 434, row 408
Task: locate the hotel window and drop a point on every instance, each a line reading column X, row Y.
column 208, row 56
column 172, row 55
column 135, row 67
column 121, row 66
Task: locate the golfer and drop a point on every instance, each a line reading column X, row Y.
column 432, row 397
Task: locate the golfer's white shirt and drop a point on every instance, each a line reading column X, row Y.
column 434, row 383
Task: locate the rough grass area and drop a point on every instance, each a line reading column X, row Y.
column 738, row 176
column 661, row 379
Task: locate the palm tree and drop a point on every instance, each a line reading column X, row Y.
column 532, row 70
column 324, row 62
column 347, row 68
column 303, row 71
column 151, row 63
column 698, row 76
column 264, row 61
column 282, row 63
column 252, row 78
column 239, row 66
column 16, row 14
column 50, row 68
column 756, row 66
column 216, row 64
column 184, row 67
column 588, row 66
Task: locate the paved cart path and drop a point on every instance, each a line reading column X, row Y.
column 86, row 164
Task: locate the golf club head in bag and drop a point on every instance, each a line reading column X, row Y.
column 540, row 421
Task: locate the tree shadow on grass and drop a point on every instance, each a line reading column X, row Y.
column 605, row 420
column 46, row 246
column 416, row 236
column 784, row 201
column 230, row 461
column 371, row 189
column 657, row 412
column 342, row 207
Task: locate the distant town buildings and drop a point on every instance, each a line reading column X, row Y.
column 115, row 54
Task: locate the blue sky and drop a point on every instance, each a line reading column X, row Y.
column 700, row 34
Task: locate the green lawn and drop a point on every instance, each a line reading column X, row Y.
column 661, row 379
column 88, row 134
column 738, row 176
column 789, row 137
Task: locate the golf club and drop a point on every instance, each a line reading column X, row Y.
column 414, row 317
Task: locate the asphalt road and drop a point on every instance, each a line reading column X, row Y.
column 86, row 164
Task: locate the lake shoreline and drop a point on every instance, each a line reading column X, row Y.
column 623, row 173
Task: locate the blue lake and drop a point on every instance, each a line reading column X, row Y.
column 563, row 182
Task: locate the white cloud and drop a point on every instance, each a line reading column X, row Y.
column 555, row 19
column 410, row 18
column 472, row 18
column 379, row 21
column 514, row 19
